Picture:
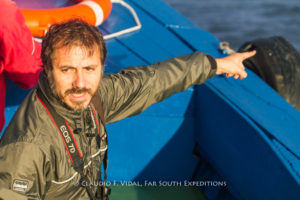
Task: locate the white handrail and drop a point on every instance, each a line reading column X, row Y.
column 128, row 30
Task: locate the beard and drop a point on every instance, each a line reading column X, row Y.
column 76, row 105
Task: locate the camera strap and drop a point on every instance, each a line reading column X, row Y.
column 68, row 138
column 97, row 102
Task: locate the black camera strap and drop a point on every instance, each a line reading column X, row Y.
column 97, row 102
column 69, row 141
column 102, row 192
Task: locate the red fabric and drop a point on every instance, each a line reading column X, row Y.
column 19, row 54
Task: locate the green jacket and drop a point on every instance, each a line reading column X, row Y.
column 33, row 159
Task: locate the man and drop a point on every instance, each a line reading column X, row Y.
column 19, row 53
column 37, row 156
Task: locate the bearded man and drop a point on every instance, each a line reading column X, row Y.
column 57, row 136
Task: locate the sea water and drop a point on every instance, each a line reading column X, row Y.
column 238, row 21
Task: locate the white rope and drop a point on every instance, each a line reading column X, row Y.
column 33, row 47
column 128, row 30
column 225, row 47
column 39, row 40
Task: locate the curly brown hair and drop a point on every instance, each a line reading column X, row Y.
column 70, row 33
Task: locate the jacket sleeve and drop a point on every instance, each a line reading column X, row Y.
column 19, row 53
column 23, row 171
column 134, row 89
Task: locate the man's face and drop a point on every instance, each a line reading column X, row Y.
column 75, row 75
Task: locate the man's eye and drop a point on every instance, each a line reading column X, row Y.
column 66, row 70
column 90, row 69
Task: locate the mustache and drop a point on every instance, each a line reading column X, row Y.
column 78, row 90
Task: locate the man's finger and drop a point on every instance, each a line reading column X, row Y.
column 229, row 75
column 247, row 55
column 243, row 74
column 236, row 76
column 240, row 74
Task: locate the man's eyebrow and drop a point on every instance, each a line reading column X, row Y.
column 70, row 66
column 91, row 65
column 65, row 66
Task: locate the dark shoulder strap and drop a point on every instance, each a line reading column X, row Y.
column 65, row 132
column 96, row 100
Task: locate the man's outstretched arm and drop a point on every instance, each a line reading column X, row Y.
column 134, row 89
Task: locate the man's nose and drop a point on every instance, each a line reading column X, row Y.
column 79, row 79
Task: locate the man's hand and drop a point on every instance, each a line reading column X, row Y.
column 233, row 65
